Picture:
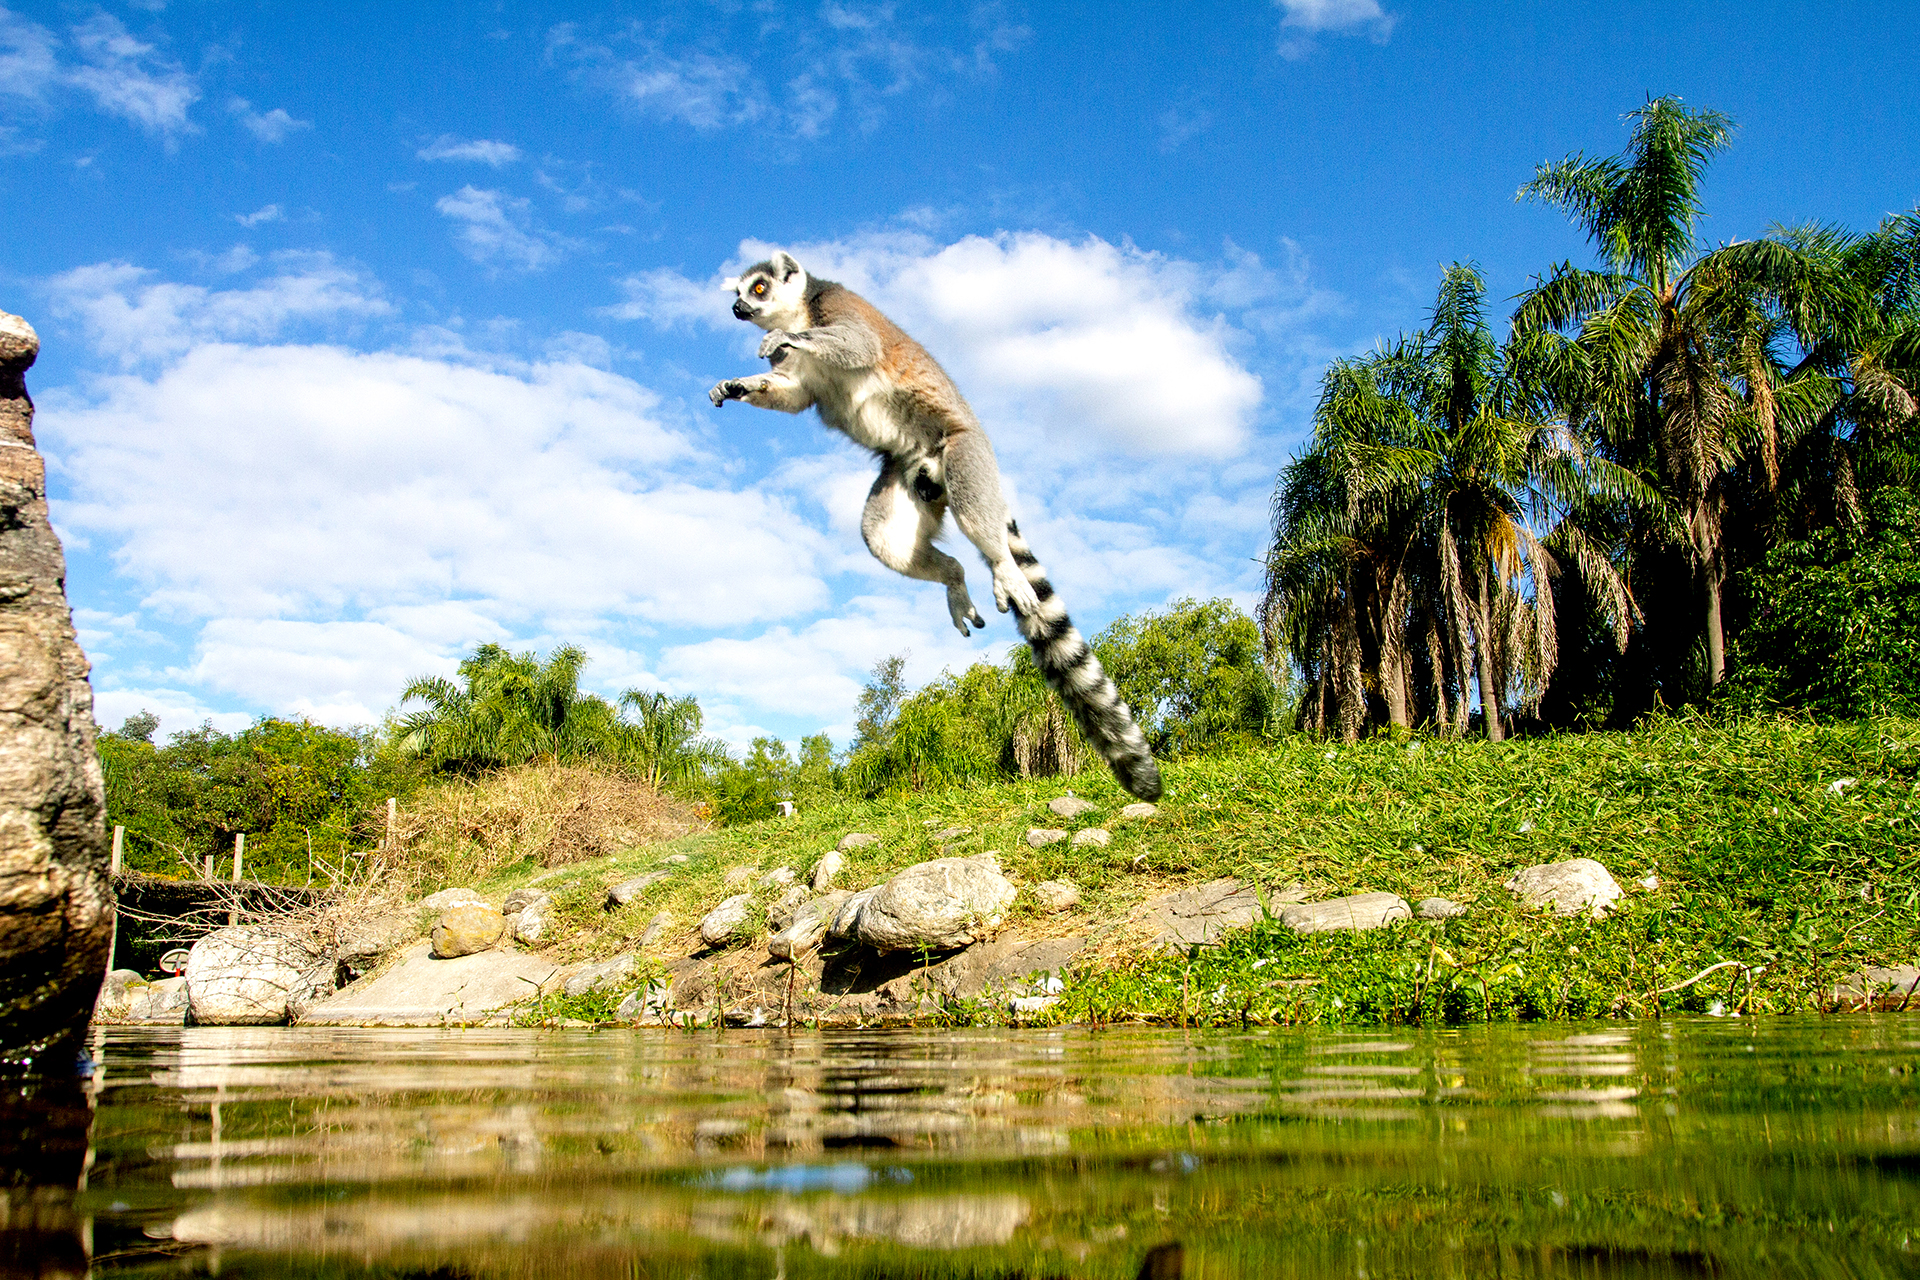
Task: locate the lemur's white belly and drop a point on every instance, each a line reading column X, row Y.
column 860, row 404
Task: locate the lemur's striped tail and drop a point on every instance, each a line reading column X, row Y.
column 1075, row 674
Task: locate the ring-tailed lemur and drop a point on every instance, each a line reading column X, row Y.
column 832, row 349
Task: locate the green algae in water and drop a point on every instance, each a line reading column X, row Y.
column 1775, row 1147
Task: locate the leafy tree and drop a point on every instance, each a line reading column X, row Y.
column 881, row 697
column 508, row 708
column 1192, row 676
column 665, row 745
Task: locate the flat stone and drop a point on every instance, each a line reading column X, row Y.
column 464, row 929
column 827, row 870
column 950, row 833
column 674, row 860
column 1097, row 837
column 1056, row 895
column 1071, row 806
column 737, row 876
column 1027, row 1006
column 598, row 977
column 1139, row 809
column 360, row 943
column 778, row 878
column 1569, row 887
column 782, row 910
column 936, row 906
column 1198, row 916
column 1356, row 911
column 1041, row 837
column 808, row 927
column 437, row 902
column 520, row 899
column 1439, row 909
column 857, row 840
column 534, row 922
column 253, row 975
column 661, row 922
column 423, row 991
column 1879, row 987
column 724, row 921
column 628, row 891
column 1005, row 965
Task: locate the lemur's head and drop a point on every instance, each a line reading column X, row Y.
column 773, row 294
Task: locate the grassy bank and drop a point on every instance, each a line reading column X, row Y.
column 1763, row 853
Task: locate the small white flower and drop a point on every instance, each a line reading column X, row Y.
column 1839, row 785
column 1525, row 826
column 1649, row 882
column 1331, row 754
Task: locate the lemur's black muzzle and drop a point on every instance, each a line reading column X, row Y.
column 740, row 309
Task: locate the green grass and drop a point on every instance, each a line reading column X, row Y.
column 1759, row 861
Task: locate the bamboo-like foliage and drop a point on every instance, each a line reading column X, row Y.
column 507, row 709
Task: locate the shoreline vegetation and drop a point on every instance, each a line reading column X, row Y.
column 1635, row 579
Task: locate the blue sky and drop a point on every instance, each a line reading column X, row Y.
column 373, row 332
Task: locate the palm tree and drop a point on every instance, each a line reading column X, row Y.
column 1679, row 351
column 508, row 708
column 666, row 744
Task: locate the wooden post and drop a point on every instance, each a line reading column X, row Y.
column 209, row 872
column 119, row 838
column 239, row 854
column 392, row 818
column 309, row 857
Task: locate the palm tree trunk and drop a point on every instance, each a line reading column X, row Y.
column 1716, row 636
column 1483, row 651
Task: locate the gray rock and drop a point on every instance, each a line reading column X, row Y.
column 438, row 902
column 1569, row 887
column 1439, row 909
column 520, row 899
column 849, row 913
column 1357, row 911
column 674, row 860
column 601, row 976
column 950, row 833
column 534, row 923
column 422, row 991
column 828, row 869
column 724, row 921
column 936, row 906
column 857, row 840
column 1041, row 837
column 780, row 914
column 1198, row 916
column 250, row 975
column 1027, row 1006
column 809, row 925
column 117, row 994
column 1056, row 895
column 164, row 1001
column 629, row 891
column 466, row 928
column 660, row 923
column 1878, row 987
column 647, row 1006
column 1097, row 837
column 778, row 878
column 1140, row 809
column 737, row 876
column 1070, row 806
column 56, row 901
column 361, row 943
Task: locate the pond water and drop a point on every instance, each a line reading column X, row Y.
column 1780, row 1147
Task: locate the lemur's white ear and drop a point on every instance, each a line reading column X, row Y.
column 784, row 264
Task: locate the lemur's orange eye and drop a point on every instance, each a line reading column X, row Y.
column 760, row 288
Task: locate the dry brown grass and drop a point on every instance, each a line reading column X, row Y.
column 460, row 832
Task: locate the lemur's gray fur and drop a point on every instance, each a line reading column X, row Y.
column 831, row 349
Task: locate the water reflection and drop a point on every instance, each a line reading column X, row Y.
column 1776, row 1148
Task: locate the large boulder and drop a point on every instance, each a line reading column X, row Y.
column 808, row 927
column 56, row 904
column 1569, row 887
column 465, row 929
column 724, row 921
column 162, row 1001
column 360, row 944
column 421, row 990
column 936, row 906
column 252, row 975
column 1356, row 911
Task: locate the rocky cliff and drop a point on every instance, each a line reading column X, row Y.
column 56, row 902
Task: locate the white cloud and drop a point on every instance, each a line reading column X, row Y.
column 126, row 79
column 133, row 317
column 267, row 126
column 264, row 214
column 667, row 298
column 28, row 65
column 479, row 150
column 179, row 709
column 498, row 230
column 1178, row 124
column 1308, row 17
column 705, row 92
